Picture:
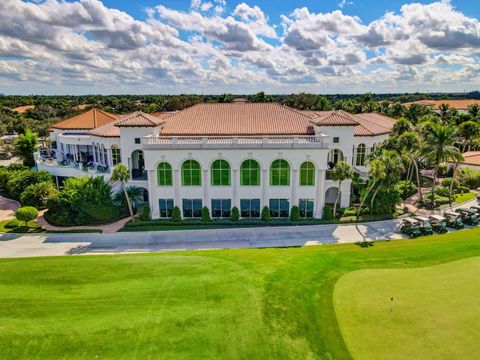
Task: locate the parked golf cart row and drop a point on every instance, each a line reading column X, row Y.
column 421, row 225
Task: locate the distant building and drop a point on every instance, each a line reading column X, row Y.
column 23, row 109
column 459, row 105
column 247, row 155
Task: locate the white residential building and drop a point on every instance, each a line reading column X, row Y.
column 247, row 155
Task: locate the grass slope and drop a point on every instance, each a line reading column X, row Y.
column 434, row 313
column 235, row 304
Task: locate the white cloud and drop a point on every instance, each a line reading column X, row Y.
column 84, row 46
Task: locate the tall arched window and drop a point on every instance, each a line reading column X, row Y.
column 116, row 157
column 334, row 156
column 164, row 174
column 307, row 174
column 220, row 173
column 279, row 173
column 191, row 173
column 250, row 173
column 361, row 154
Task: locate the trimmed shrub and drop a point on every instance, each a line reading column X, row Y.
column 327, row 212
column 206, row 215
column 295, row 214
column 12, row 224
column 265, row 216
column 26, row 213
column 176, row 215
column 235, row 214
column 145, row 213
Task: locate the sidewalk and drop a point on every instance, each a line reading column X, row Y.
column 107, row 229
column 8, row 208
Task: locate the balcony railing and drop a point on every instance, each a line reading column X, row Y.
column 89, row 168
column 234, row 142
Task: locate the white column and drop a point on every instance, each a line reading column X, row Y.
column 94, row 147
column 295, row 185
column 235, row 200
column 320, row 196
column 264, row 188
column 152, row 195
column 206, row 186
column 177, row 184
column 345, row 195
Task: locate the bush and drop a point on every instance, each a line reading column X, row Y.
column 349, row 212
column 206, row 215
column 176, row 215
column 407, row 188
column 19, row 180
column 26, row 213
column 327, row 212
column 469, row 177
column 265, row 216
column 12, row 224
column 145, row 213
column 295, row 214
column 38, row 194
column 235, row 215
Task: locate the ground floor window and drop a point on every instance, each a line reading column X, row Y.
column 192, row 208
column 306, row 208
column 221, row 208
column 279, row 208
column 250, row 208
column 166, row 207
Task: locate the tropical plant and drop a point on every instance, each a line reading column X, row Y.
column 18, row 181
column 25, row 146
column 26, row 213
column 439, row 148
column 121, row 174
column 410, row 143
column 37, row 194
column 341, row 171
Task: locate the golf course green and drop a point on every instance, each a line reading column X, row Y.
column 247, row 304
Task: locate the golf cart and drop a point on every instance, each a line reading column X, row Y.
column 439, row 224
column 468, row 216
column 453, row 219
column 411, row 227
column 476, row 209
column 424, row 223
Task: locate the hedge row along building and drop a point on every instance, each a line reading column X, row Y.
column 239, row 154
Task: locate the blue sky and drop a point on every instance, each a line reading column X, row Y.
column 171, row 46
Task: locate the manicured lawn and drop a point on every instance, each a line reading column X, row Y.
column 460, row 198
column 433, row 315
column 229, row 304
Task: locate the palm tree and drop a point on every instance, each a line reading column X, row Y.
column 25, row 146
column 377, row 172
column 121, row 173
column 341, row 172
column 474, row 110
column 135, row 194
column 439, row 148
column 410, row 142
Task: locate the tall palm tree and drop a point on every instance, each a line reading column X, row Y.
column 377, row 172
column 439, row 148
column 410, row 143
column 341, row 172
column 121, row 173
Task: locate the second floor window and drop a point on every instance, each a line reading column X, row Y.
column 280, row 173
column 220, row 173
column 164, row 174
column 191, row 173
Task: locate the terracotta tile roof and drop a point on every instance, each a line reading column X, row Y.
column 139, row 119
column 90, row 119
column 371, row 124
column 454, row 104
column 334, row 118
column 471, row 158
column 112, row 130
column 23, row 109
column 367, row 124
column 242, row 119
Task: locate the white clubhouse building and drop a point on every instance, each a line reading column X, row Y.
column 247, row 155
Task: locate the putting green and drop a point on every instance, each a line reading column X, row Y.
column 434, row 313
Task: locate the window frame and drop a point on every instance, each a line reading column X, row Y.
column 277, row 178
column 190, row 174
column 247, row 172
column 250, row 210
column 116, row 155
column 167, row 174
column 305, row 209
column 277, row 210
column 307, row 174
column 137, row 140
column 167, row 210
column 220, row 173
column 224, row 207
column 360, row 157
column 190, row 205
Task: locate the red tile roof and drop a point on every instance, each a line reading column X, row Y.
column 139, row 119
column 242, row 119
column 90, row 119
column 454, row 104
column 23, row 109
column 112, row 130
column 334, row 118
column 471, row 158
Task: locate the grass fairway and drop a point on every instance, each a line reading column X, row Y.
column 232, row 304
column 434, row 313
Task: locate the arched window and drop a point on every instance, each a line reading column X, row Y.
column 250, row 173
column 220, row 173
column 307, row 174
column 116, row 157
column 164, row 174
column 334, row 156
column 191, row 173
column 361, row 154
column 279, row 173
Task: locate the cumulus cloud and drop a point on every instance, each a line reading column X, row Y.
column 82, row 44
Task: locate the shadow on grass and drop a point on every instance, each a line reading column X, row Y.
column 365, row 244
